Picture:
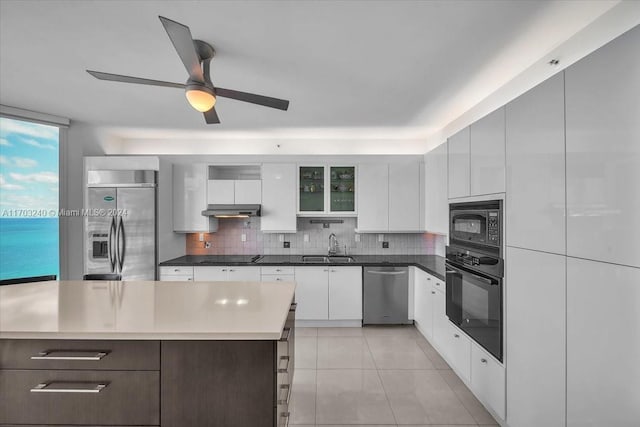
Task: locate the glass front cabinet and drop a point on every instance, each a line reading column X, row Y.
column 326, row 190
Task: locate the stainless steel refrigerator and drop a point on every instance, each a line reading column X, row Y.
column 120, row 223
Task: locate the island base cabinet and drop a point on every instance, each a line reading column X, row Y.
column 127, row 398
column 226, row 383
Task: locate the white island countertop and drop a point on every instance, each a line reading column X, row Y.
column 145, row 310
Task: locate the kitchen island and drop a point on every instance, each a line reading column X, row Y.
column 146, row 353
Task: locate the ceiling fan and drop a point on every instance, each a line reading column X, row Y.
column 196, row 56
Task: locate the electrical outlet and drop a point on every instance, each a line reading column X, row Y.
column 281, row 237
column 207, row 245
column 380, row 237
column 306, row 238
column 357, row 237
column 385, row 245
column 201, row 237
column 286, row 245
column 243, row 237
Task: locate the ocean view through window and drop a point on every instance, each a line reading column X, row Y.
column 29, row 199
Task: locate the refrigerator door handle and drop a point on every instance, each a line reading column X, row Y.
column 111, row 242
column 122, row 244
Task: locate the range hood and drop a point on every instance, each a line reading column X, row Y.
column 232, row 211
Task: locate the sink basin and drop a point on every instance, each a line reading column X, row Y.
column 315, row 259
column 341, row 259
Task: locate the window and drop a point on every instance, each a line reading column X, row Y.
column 29, row 199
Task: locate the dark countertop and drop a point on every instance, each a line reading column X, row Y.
column 432, row 264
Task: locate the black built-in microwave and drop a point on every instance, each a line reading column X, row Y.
column 477, row 225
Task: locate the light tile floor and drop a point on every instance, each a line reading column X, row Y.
column 377, row 376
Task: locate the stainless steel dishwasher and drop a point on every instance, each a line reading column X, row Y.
column 386, row 295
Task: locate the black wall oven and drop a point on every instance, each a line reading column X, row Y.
column 474, row 272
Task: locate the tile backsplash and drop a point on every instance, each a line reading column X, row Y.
column 310, row 239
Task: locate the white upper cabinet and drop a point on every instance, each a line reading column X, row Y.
column 406, row 198
column 278, row 198
column 459, row 164
column 234, row 192
column 487, row 154
column 535, row 338
column 390, row 197
column 603, row 351
column 437, row 200
column 190, row 199
column 603, row 153
column 373, row 197
column 535, row 207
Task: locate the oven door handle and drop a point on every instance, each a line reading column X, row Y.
column 450, row 269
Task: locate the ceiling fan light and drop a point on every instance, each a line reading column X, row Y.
column 200, row 98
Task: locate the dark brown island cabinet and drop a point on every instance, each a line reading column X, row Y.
column 168, row 383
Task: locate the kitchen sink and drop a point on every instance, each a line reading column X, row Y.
column 341, row 259
column 315, row 259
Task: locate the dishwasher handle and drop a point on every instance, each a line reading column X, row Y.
column 387, row 273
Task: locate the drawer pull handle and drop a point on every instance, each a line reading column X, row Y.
column 285, row 394
column 433, row 292
column 456, row 335
column 483, row 360
column 284, row 416
column 428, row 278
column 278, row 279
column 176, row 269
column 88, row 355
column 285, row 334
column 294, row 306
column 286, row 364
column 69, row 387
column 278, row 270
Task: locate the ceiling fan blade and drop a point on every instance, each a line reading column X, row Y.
column 128, row 79
column 267, row 101
column 211, row 117
column 182, row 40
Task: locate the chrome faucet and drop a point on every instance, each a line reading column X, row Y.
column 333, row 244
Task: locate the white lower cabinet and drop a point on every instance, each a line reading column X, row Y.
column 176, row 274
column 603, row 344
column 312, row 293
column 459, row 351
column 226, row 273
column 535, row 338
column 488, row 380
column 440, row 323
column 423, row 302
column 329, row 293
column 345, row 293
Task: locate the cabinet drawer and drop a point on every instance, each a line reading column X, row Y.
column 173, row 278
column 79, row 354
column 437, row 284
column 176, row 271
column 488, row 380
column 274, row 269
column 128, row 397
column 278, row 278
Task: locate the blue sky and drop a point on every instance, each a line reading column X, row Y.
column 28, row 166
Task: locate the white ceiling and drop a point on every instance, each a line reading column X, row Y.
column 344, row 65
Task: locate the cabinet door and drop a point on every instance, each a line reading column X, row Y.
column 278, row 198
column 244, row 274
column 459, row 164
column 190, row 198
column 248, row 192
column 487, row 380
column 535, row 168
column 373, row 197
column 460, row 352
column 220, row 192
column 342, row 189
column 311, row 189
column 603, row 351
column 487, row 154
column 603, row 153
column 440, row 324
column 535, row 338
column 437, row 201
column 345, row 293
column 405, row 196
column 210, row 274
column 312, row 293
